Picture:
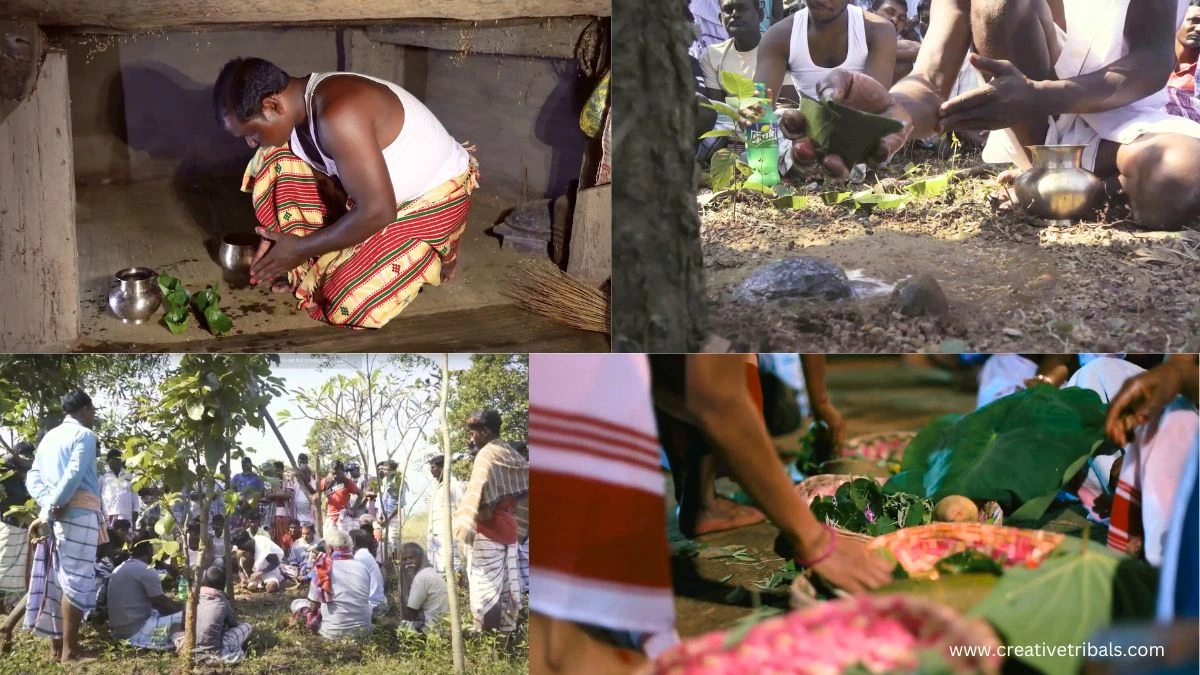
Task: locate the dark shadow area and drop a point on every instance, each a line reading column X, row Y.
column 557, row 126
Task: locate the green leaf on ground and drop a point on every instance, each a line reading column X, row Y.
column 178, row 298
column 930, row 187
column 1066, row 599
column 790, row 202
column 832, row 198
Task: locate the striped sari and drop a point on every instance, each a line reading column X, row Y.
column 366, row 285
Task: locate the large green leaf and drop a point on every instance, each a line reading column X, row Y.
column 722, row 170
column 1066, row 599
column 1018, row 450
column 836, row 129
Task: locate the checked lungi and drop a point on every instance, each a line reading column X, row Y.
column 494, row 577
column 14, row 544
column 63, row 563
column 366, row 285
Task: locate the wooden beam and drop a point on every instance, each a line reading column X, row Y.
column 548, row 38
column 589, row 257
column 499, row 328
column 39, row 299
column 150, row 15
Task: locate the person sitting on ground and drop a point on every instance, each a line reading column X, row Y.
column 809, row 45
column 297, row 562
column 219, row 637
column 425, row 602
column 259, row 561
column 253, row 523
column 139, row 613
column 290, row 536
column 908, row 42
column 1074, row 72
column 363, row 543
column 821, row 37
column 1181, row 86
column 124, row 531
column 338, row 604
column 408, row 182
column 105, row 565
column 738, row 55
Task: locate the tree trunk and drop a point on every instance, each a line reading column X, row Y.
column 225, row 543
column 456, row 637
column 197, row 573
column 659, row 285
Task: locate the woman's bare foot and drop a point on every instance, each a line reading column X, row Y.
column 724, row 514
column 448, row 270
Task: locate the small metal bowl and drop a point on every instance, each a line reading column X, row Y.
column 237, row 252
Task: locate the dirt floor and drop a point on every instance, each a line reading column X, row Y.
column 1012, row 283
column 713, row 589
column 174, row 230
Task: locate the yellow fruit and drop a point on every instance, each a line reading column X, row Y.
column 956, row 509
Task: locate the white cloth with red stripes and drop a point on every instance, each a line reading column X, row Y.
column 594, row 466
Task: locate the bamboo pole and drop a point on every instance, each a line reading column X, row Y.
column 456, row 638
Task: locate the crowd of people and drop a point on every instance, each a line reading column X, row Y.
column 1007, row 75
column 599, row 424
column 92, row 554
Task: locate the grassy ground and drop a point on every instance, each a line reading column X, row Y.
column 1013, row 284
column 273, row 647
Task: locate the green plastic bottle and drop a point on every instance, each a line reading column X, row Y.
column 182, row 591
column 762, row 146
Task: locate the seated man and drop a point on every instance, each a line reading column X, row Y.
column 338, row 603
column 363, row 543
column 138, row 611
column 821, row 37
column 1181, row 86
column 908, row 42
column 1078, row 72
column 104, row 569
column 297, row 562
column 219, row 637
column 810, row 44
column 259, row 561
column 425, row 600
column 408, row 181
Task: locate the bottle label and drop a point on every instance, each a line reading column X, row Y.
column 761, row 134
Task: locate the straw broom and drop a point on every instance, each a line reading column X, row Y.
column 547, row 291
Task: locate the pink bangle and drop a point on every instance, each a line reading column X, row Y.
column 828, row 550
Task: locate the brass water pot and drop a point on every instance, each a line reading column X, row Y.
column 135, row 296
column 1057, row 188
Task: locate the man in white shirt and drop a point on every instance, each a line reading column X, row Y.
column 437, row 514
column 362, row 553
column 116, row 488
column 259, row 561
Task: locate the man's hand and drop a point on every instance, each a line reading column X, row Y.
column 1007, row 99
column 824, row 411
column 852, row 568
column 1141, row 399
column 286, row 252
column 854, row 90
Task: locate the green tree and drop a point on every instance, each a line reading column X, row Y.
column 205, row 402
column 496, row 381
column 32, row 387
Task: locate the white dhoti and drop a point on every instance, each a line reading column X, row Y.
column 1154, row 461
column 1095, row 38
column 63, row 564
column 14, row 542
column 434, row 551
column 494, row 575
